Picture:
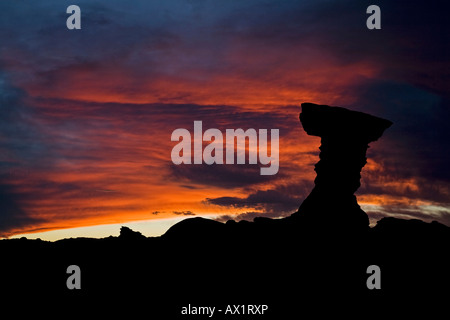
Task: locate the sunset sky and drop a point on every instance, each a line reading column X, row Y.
column 87, row 115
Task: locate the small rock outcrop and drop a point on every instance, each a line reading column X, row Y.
column 128, row 234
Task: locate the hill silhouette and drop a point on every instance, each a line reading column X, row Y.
column 312, row 262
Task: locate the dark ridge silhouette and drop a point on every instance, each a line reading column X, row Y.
column 311, row 263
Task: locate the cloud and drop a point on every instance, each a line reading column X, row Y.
column 403, row 28
column 224, row 176
column 248, row 216
column 184, row 213
column 414, row 146
column 12, row 216
column 21, row 137
column 23, row 148
column 281, row 201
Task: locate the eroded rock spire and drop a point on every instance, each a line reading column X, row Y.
column 345, row 137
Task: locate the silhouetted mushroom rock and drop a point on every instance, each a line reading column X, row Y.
column 345, row 137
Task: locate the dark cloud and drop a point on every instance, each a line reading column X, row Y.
column 416, row 35
column 189, row 186
column 249, row 216
column 23, row 148
column 415, row 146
column 184, row 213
column 12, row 216
column 21, row 139
column 225, row 176
column 173, row 116
column 153, row 38
column 278, row 202
column 423, row 190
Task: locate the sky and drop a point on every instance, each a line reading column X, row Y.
column 86, row 116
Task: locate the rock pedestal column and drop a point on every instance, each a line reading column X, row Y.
column 345, row 137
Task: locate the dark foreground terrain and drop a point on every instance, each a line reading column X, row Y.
column 286, row 264
column 313, row 264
